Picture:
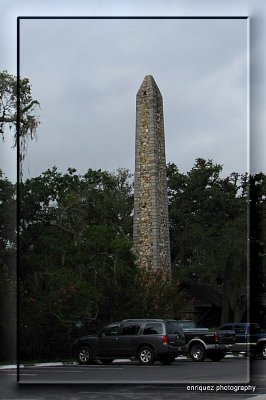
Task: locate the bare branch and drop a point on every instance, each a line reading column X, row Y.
column 25, row 109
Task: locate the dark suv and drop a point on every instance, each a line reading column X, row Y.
column 147, row 340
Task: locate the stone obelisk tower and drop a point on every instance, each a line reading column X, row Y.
column 151, row 242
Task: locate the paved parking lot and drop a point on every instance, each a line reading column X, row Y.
column 231, row 378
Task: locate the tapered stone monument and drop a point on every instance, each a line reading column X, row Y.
column 151, row 244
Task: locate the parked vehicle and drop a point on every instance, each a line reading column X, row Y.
column 146, row 340
column 186, row 324
column 250, row 338
column 203, row 343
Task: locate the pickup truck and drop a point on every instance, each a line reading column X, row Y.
column 203, row 343
column 249, row 338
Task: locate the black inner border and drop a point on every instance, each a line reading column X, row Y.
column 144, row 386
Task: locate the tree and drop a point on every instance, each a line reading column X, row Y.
column 15, row 102
column 75, row 251
column 208, row 230
column 9, row 103
column 258, row 248
column 7, row 268
column 158, row 296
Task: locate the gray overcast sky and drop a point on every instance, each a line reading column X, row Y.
column 86, row 74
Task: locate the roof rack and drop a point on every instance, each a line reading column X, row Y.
column 143, row 320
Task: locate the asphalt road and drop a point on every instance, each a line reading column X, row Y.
column 177, row 380
column 181, row 371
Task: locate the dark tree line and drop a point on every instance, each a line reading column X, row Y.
column 209, row 238
column 257, row 248
column 8, row 272
column 76, row 261
column 75, row 247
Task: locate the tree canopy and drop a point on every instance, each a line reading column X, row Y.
column 76, row 260
column 208, row 230
column 15, row 95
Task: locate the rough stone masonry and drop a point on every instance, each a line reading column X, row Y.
column 151, row 243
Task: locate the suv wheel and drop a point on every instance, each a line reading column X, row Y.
column 146, row 355
column 197, row 352
column 85, row 355
column 263, row 351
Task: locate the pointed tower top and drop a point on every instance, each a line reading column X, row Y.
column 148, row 78
column 148, row 84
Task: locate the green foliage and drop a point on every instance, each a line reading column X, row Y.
column 9, row 102
column 75, row 246
column 7, row 267
column 208, row 230
column 64, row 297
column 158, row 296
column 7, row 217
column 76, row 260
column 257, row 232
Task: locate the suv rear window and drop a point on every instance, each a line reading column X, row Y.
column 172, row 327
column 154, row 328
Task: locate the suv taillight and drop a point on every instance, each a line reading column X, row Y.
column 216, row 337
column 165, row 339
